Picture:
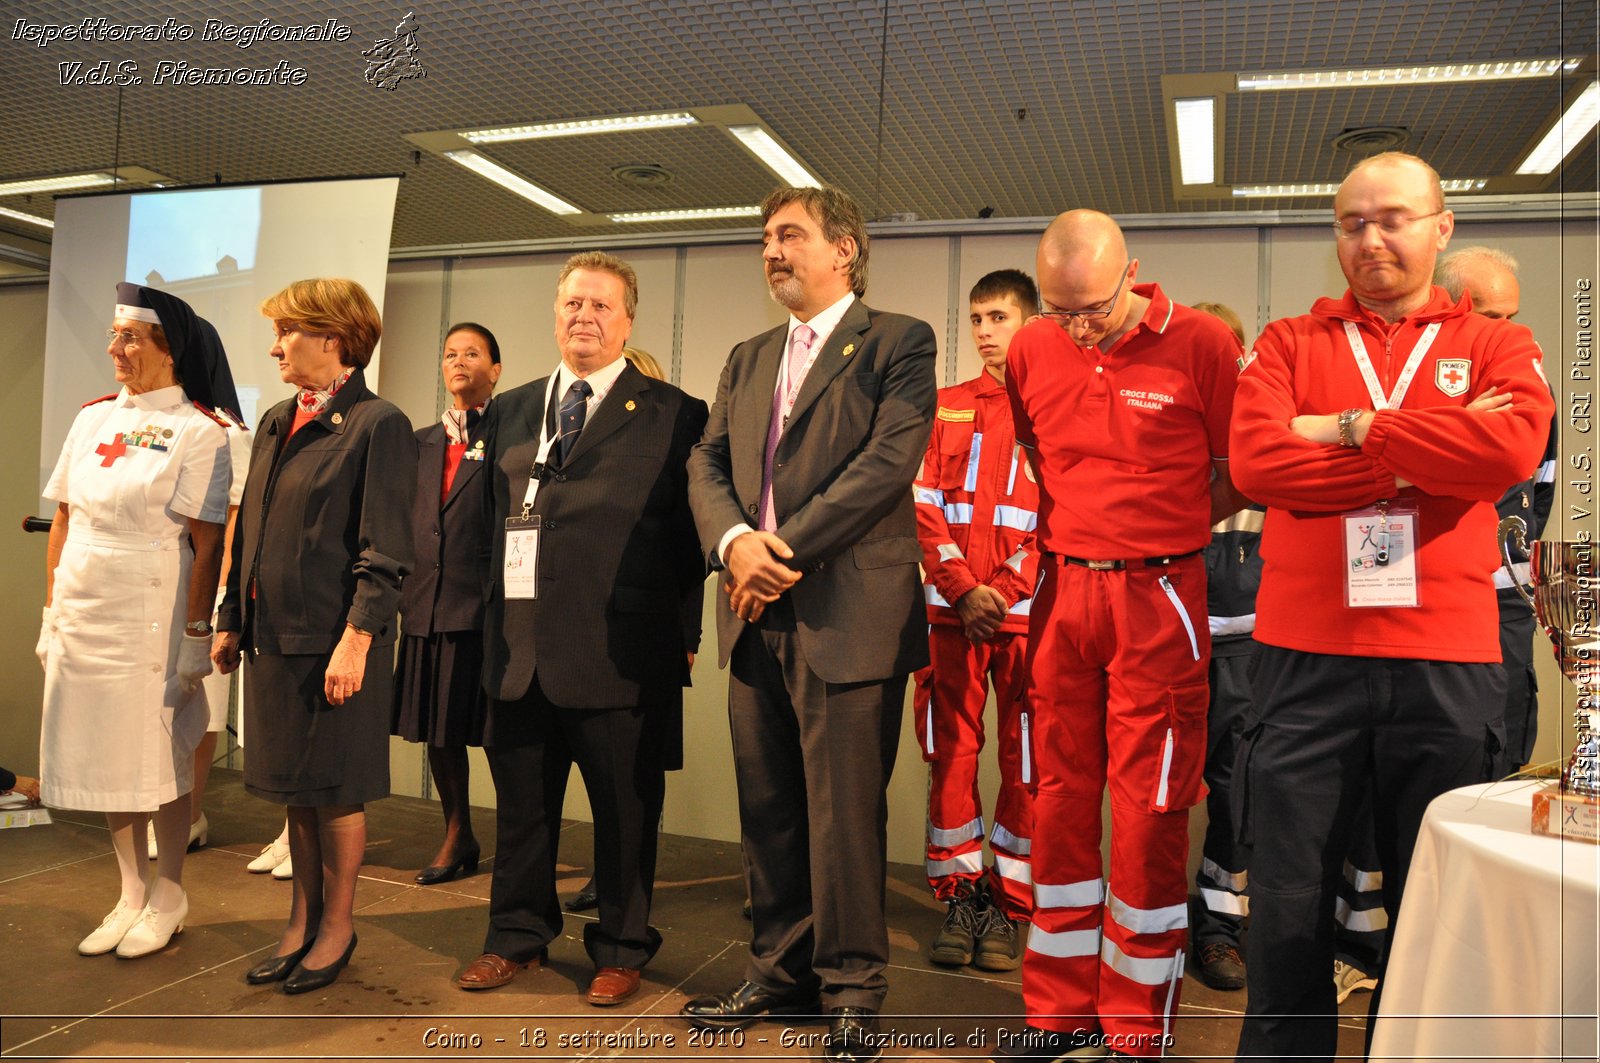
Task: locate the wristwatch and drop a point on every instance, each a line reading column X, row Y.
column 197, row 627
column 1347, row 427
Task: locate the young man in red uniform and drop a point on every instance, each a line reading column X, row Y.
column 977, row 504
column 1122, row 398
column 1379, row 430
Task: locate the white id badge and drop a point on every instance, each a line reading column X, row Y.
column 1380, row 556
column 520, row 573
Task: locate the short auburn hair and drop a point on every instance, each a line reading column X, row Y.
column 336, row 306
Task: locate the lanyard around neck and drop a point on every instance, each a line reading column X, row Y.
column 546, row 442
column 1380, row 401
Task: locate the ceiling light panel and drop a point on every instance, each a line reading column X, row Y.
column 31, row 219
column 1576, row 123
column 764, row 147
column 693, row 214
column 56, row 184
column 493, row 171
column 627, row 123
column 1328, row 188
column 1197, row 139
column 1373, row 77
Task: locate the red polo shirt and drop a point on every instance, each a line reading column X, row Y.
column 1123, row 440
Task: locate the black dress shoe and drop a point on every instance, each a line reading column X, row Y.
column 465, row 863
column 852, row 1036
column 304, row 979
column 278, row 967
column 586, row 898
column 744, row 1005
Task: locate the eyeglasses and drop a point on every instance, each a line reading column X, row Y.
column 124, row 337
column 1067, row 317
column 1388, row 223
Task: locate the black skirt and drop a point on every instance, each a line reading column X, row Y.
column 438, row 697
column 304, row 751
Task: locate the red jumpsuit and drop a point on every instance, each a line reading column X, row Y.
column 977, row 504
column 1123, row 443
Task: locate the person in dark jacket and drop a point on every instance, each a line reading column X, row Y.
column 438, row 682
column 320, row 547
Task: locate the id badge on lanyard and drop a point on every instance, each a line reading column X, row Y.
column 1380, row 555
column 519, row 572
column 520, row 575
column 1380, row 541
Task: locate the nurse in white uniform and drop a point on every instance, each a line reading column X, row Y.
column 135, row 546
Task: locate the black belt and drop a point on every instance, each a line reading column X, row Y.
column 1118, row 566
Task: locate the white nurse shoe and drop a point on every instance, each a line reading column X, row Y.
column 111, row 930
column 153, row 930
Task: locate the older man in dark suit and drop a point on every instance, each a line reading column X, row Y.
column 802, row 494
column 586, row 642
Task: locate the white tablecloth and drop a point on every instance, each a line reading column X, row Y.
column 1497, row 947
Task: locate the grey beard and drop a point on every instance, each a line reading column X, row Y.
column 786, row 291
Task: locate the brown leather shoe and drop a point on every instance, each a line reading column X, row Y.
column 491, row 972
column 612, row 985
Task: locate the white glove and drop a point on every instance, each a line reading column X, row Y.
column 194, row 662
column 47, row 628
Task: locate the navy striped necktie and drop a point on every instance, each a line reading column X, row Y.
column 574, row 408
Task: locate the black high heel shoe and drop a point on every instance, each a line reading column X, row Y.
column 304, row 979
column 465, row 863
column 277, row 968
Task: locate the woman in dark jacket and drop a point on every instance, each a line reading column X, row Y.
column 439, row 695
column 320, row 546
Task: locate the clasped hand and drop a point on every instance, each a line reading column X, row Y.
column 757, row 573
column 982, row 611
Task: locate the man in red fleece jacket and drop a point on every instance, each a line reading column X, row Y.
column 1379, row 429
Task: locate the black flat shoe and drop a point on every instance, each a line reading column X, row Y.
column 466, row 863
column 584, row 899
column 278, row 967
column 305, row 979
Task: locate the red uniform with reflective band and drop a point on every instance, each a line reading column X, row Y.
column 976, row 504
column 1123, row 443
column 1123, row 440
column 1460, row 462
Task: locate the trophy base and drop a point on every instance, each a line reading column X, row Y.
column 1563, row 814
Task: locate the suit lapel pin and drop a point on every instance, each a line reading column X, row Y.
column 630, row 405
column 849, row 349
column 337, row 418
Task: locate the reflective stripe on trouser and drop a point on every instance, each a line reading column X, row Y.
column 1117, row 696
column 1358, row 906
column 949, row 725
column 1222, row 875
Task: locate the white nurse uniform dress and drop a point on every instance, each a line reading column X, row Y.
column 117, row 733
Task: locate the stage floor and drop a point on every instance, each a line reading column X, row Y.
column 397, row 999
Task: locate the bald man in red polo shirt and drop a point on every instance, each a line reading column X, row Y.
column 1123, row 398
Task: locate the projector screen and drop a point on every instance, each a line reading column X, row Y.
column 222, row 250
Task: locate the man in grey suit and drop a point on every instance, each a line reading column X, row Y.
column 588, row 634
column 801, row 490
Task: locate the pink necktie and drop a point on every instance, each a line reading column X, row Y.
column 783, row 397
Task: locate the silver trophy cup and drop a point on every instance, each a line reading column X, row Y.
column 1564, row 582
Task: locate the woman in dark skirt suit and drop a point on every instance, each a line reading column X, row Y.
column 439, row 682
column 319, row 549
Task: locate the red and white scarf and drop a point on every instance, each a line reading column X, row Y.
column 313, row 402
